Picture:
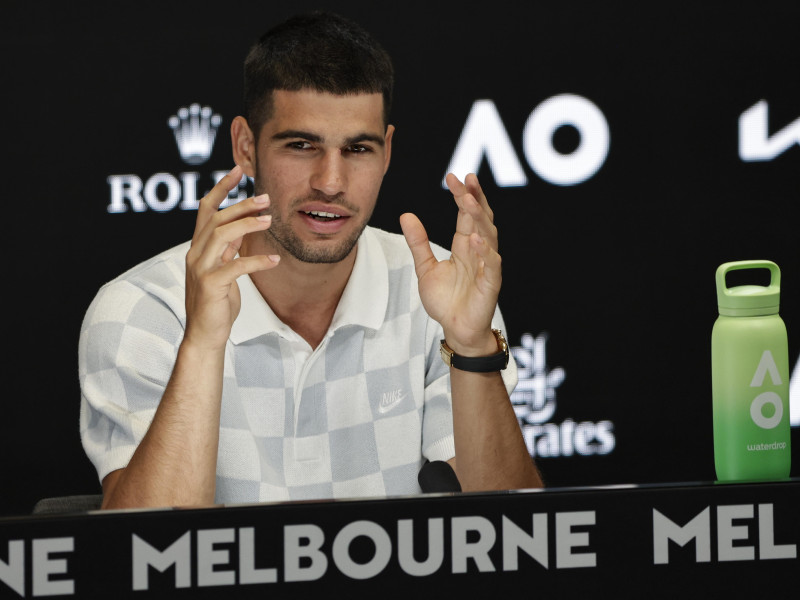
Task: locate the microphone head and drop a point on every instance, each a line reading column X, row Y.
column 438, row 477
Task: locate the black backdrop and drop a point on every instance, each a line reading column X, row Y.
column 615, row 272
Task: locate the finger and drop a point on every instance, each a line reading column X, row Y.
column 474, row 188
column 454, row 184
column 220, row 218
column 210, row 204
column 418, row 243
column 221, row 279
column 461, row 190
column 472, row 218
column 225, row 240
column 464, row 224
column 471, row 200
column 232, row 247
column 246, row 265
column 458, row 189
column 240, row 210
column 482, row 223
column 471, row 186
column 489, row 263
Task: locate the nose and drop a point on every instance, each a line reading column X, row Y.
column 329, row 175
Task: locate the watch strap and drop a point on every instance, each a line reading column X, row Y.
column 478, row 364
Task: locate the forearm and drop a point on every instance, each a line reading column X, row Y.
column 175, row 464
column 461, row 295
column 490, row 451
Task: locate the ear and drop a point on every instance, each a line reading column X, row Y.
column 244, row 146
column 387, row 146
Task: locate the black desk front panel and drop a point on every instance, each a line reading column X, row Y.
column 701, row 540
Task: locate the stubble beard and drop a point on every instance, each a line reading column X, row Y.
column 326, row 250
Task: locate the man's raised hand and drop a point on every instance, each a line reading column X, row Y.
column 461, row 293
column 212, row 264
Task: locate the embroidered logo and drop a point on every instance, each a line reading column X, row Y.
column 195, row 130
column 390, row 399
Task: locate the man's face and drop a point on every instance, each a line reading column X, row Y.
column 321, row 158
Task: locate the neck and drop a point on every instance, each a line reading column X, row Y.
column 303, row 295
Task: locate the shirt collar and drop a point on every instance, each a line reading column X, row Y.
column 363, row 303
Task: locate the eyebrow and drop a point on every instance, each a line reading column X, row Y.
column 313, row 137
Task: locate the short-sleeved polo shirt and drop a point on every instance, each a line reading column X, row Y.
column 356, row 416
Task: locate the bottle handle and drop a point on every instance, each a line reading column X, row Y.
column 724, row 269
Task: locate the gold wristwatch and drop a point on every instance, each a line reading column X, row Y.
column 478, row 364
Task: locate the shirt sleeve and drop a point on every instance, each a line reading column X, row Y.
column 128, row 345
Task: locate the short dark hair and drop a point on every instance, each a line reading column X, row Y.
column 320, row 51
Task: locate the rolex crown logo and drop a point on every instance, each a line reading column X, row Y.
column 195, row 130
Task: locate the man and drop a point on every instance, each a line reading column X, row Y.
column 289, row 351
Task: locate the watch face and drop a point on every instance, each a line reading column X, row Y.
column 446, row 353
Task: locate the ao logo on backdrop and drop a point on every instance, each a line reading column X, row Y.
column 485, row 136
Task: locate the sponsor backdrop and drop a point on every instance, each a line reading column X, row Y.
column 626, row 152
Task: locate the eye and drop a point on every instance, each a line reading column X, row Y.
column 299, row 145
column 358, row 148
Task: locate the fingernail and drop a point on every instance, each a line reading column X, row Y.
column 262, row 199
column 274, row 258
column 264, row 218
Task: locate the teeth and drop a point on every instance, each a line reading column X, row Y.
column 319, row 213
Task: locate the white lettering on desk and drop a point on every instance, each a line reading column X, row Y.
column 47, row 561
column 306, row 557
column 732, row 535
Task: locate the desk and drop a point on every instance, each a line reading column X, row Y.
column 650, row 541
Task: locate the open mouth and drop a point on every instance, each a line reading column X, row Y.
column 322, row 216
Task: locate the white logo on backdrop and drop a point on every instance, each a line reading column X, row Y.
column 485, row 136
column 755, row 143
column 534, row 398
column 195, row 131
column 534, row 401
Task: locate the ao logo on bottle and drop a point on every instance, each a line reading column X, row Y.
column 766, row 366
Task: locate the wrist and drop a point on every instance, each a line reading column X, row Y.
column 482, row 344
column 197, row 352
column 201, row 340
column 494, row 359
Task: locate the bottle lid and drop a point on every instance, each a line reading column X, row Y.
column 749, row 300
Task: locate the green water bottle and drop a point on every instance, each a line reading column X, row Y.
column 750, row 379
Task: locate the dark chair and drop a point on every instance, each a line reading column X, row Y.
column 68, row 504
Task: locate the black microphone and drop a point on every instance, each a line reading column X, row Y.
column 438, row 477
